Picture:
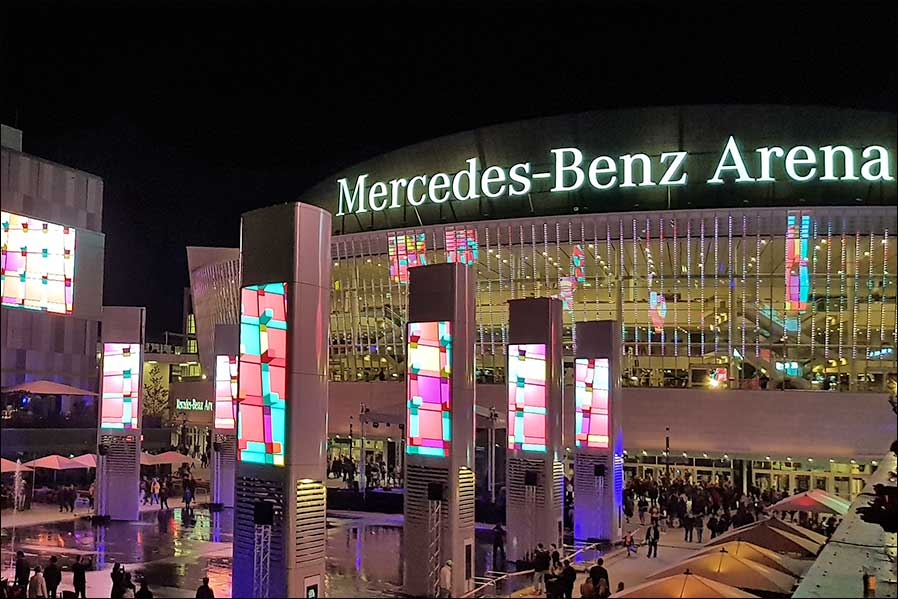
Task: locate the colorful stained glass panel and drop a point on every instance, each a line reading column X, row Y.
column 37, row 264
column 262, row 389
column 225, row 392
column 591, row 394
column 121, row 386
column 527, row 397
column 429, row 389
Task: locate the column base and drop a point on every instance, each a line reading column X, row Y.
column 95, row 519
column 216, row 507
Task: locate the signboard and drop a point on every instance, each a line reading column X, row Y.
column 571, row 170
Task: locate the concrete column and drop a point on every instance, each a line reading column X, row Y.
column 535, row 460
column 120, row 422
column 439, row 429
column 598, row 454
column 226, row 348
column 279, row 522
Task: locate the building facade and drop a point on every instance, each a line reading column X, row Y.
column 744, row 249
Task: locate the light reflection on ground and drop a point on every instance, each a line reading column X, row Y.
column 175, row 550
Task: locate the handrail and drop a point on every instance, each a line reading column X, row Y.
column 506, row 575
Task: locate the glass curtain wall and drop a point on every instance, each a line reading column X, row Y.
column 753, row 298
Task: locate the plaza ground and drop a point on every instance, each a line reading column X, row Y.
column 174, row 550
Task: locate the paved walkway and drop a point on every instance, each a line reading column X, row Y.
column 633, row 570
column 41, row 513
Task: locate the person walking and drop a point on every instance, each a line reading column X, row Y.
column 37, row 586
column 699, row 526
column 712, row 525
column 127, row 586
column 652, row 536
column 498, row 542
column 566, row 579
column 205, row 591
column 23, row 570
column 643, row 508
column 52, row 576
column 79, row 579
column 446, row 579
column 686, row 522
column 155, row 488
column 541, row 563
column 143, row 592
column 598, row 573
column 187, row 497
column 631, row 545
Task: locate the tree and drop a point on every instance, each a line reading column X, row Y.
column 155, row 395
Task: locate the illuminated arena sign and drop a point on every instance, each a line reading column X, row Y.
column 570, row 170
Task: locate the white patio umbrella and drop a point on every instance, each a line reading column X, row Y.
column 7, row 466
column 88, row 460
column 146, row 459
column 48, row 388
column 54, row 462
column 738, row 572
column 685, row 584
column 173, row 458
column 815, row 500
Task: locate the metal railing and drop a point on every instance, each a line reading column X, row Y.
column 493, row 578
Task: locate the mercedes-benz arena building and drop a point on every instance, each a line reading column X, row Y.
column 749, row 253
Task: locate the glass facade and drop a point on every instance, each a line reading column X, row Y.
column 738, row 298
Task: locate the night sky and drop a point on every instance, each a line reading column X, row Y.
column 195, row 115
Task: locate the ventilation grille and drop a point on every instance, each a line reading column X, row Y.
column 228, row 454
column 558, row 487
column 584, row 472
column 122, row 457
column 416, row 502
column 619, row 479
column 311, row 522
column 249, row 491
column 465, row 497
column 516, row 473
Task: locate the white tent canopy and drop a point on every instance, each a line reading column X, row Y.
column 738, row 572
column 686, row 584
column 7, row 466
column 48, row 388
column 54, row 462
column 815, row 500
column 88, row 460
column 172, row 458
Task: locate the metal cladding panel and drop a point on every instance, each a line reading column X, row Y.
column 250, row 489
column 226, row 339
column 598, row 500
column 88, row 275
column 123, row 324
column 533, row 512
column 228, row 465
column 443, row 293
column 122, row 476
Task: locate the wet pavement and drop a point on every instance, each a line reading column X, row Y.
column 175, row 549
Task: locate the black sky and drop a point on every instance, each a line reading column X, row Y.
column 195, row 112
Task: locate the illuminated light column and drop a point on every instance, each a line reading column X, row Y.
column 224, row 424
column 439, row 488
column 599, row 451
column 119, row 427
column 279, row 516
column 534, row 475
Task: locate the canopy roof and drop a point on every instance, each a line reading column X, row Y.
column 763, row 556
column 88, row 460
column 10, row 466
column 769, row 535
column 171, row 457
column 685, row 584
column 739, row 572
column 815, row 500
column 54, row 462
column 48, row 388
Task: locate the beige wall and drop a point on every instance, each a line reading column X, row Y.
column 800, row 424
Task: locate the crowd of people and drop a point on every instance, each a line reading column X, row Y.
column 377, row 473
column 46, row 582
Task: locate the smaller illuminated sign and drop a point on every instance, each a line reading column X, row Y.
column 193, row 405
column 527, row 397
